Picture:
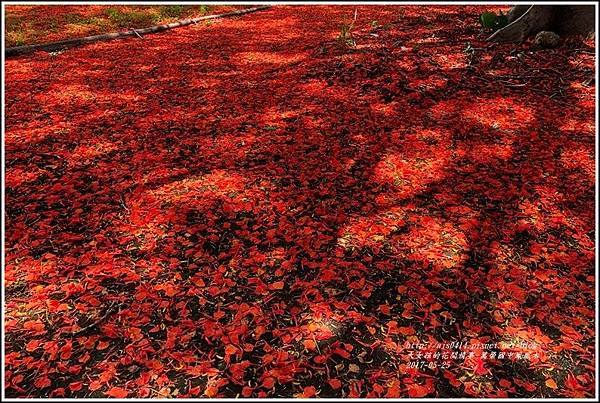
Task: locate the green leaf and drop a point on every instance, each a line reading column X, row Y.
column 488, row 19
column 501, row 21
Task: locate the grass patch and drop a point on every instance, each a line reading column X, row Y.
column 172, row 11
column 132, row 19
column 15, row 38
column 13, row 23
column 26, row 25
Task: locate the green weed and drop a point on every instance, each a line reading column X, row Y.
column 345, row 37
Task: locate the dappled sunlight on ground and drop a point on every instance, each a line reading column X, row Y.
column 256, row 208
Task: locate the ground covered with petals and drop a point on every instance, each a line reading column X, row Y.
column 260, row 208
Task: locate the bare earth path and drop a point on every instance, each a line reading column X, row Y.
column 253, row 208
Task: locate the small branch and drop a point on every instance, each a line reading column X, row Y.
column 513, row 85
column 584, row 51
column 136, row 32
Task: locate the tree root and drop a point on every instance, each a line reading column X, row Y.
column 535, row 19
column 525, row 21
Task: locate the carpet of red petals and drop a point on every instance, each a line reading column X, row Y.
column 249, row 208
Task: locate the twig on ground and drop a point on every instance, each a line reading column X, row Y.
column 136, row 32
column 584, row 51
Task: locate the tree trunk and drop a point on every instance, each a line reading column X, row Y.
column 524, row 21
